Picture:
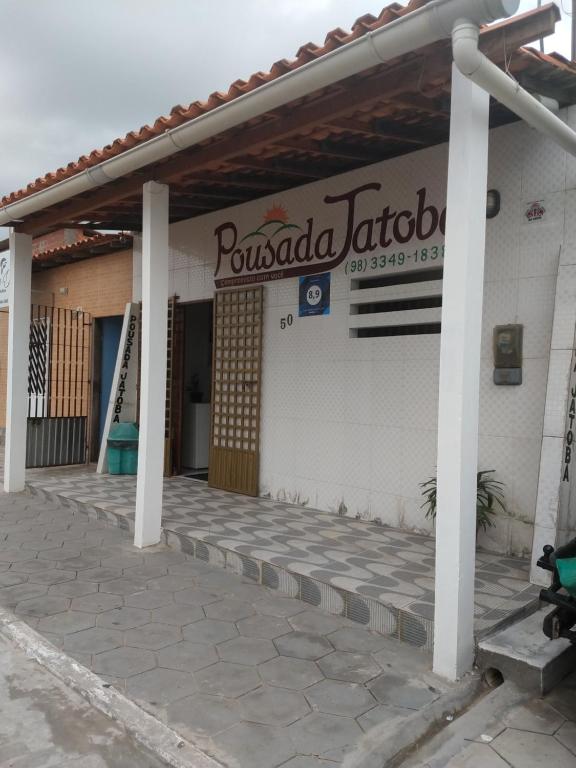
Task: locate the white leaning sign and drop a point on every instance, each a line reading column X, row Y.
column 122, row 406
column 4, row 279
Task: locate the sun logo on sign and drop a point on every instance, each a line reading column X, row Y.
column 275, row 220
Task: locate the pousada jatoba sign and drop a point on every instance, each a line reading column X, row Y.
column 280, row 246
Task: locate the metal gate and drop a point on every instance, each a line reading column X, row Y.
column 58, row 386
column 236, row 377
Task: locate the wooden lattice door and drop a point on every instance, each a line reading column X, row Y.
column 236, row 387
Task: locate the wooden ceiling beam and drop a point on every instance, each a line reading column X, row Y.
column 497, row 42
column 372, row 129
column 327, row 148
column 283, row 168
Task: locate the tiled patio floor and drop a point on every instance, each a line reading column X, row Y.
column 381, row 577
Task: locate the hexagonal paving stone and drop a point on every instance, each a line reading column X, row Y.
column 210, row 631
column 81, row 563
column 172, row 583
column 187, row 656
column 247, row 650
column 358, row 640
column 278, row 606
column 123, row 662
column 191, row 568
column 97, row 602
column 226, row 679
column 74, row 588
column 100, row 574
column 381, row 714
column 125, row 560
column 307, row 761
column 37, row 546
column 29, row 566
column 123, row 618
column 16, row 555
column 400, row 692
column 567, row 735
column 350, row 667
column 522, row 749
column 144, row 571
column 316, row 622
column 318, row 733
column 11, row 596
column 167, row 557
column 229, row 610
column 52, row 576
column 59, row 554
column 303, row 645
column 93, row 640
column 273, row 706
column 179, row 615
column 290, row 673
column 267, row 627
column 195, row 596
column 66, row 623
column 159, row 687
column 256, row 746
column 335, row 698
column 42, row 606
column 203, row 715
column 153, row 636
column 148, row 599
column 123, row 586
column 11, row 579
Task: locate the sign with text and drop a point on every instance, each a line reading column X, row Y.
column 314, row 295
column 123, row 401
column 4, row 279
column 566, row 501
column 361, row 220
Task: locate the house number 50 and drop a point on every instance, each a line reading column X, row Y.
column 286, row 321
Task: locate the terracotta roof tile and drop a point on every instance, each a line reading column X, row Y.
column 180, row 114
column 84, row 244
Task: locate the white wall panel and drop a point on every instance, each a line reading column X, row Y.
column 350, row 424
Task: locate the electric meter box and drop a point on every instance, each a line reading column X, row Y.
column 507, row 349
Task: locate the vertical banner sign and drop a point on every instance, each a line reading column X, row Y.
column 122, row 405
column 314, row 295
column 4, row 278
column 566, row 506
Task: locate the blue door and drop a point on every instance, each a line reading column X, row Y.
column 111, row 329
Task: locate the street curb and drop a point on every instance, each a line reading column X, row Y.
column 386, row 743
column 156, row 737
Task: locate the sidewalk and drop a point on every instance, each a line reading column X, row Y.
column 44, row 724
column 255, row 679
column 370, row 573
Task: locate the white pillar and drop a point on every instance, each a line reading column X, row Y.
column 153, row 364
column 19, row 294
column 459, row 379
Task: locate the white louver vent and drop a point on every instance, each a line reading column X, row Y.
column 407, row 304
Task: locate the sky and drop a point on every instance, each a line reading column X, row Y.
column 76, row 74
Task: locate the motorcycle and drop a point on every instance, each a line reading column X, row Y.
column 562, row 591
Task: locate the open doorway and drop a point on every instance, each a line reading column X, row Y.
column 196, row 391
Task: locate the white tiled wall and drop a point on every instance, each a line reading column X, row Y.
column 349, row 425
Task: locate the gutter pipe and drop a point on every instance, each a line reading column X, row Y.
column 478, row 68
column 424, row 26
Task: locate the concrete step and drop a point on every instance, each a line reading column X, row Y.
column 524, row 655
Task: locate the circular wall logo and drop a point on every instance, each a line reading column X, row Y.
column 4, row 273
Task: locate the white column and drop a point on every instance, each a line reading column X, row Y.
column 153, row 364
column 459, row 379
column 19, row 293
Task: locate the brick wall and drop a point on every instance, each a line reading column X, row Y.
column 101, row 286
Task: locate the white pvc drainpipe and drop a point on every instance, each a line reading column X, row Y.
column 474, row 65
column 415, row 30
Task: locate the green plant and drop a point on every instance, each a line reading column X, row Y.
column 489, row 495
